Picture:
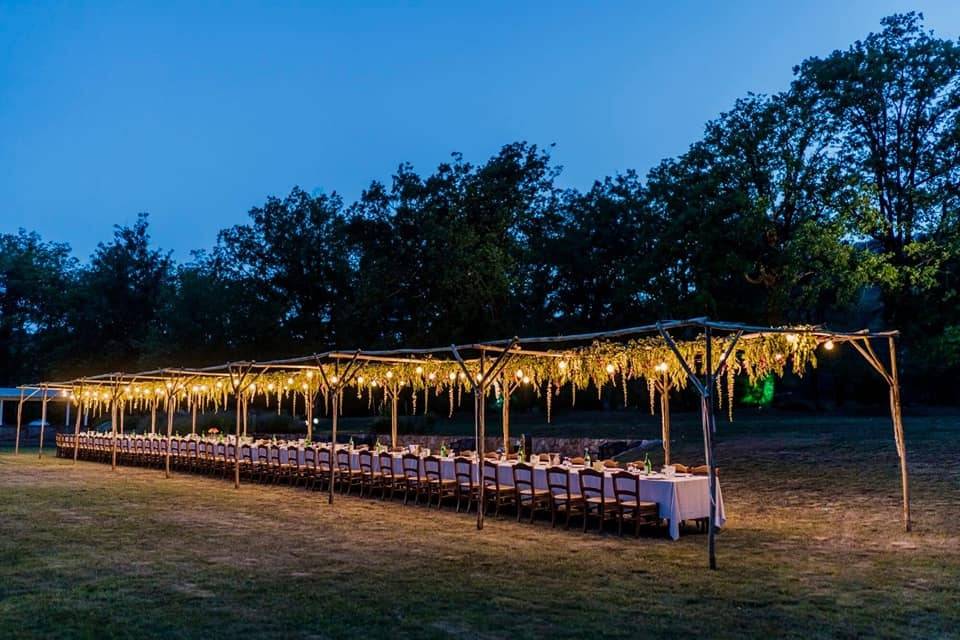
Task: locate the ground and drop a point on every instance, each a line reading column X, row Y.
column 814, row 547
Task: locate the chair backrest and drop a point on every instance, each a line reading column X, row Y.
column 263, row 454
column 386, row 464
column 309, row 457
column 591, row 484
column 274, row 455
column 558, row 481
column 174, row 447
column 626, row 486
column 366, row 461
column 229, row 452
column 411, row 466
column 431, row 467
column 324, row 461
column 343, row 460
column 293, row 456
column 523, row 476
column 192, row 448
column 463, row 471
column 246, row 453
column 491, row 475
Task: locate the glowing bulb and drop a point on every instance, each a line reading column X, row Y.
column 828, row 345
column 462, row 375
column 792, row 338
column 253, row 387
column 309, row 374
column 289, row 381
column 359, row 379
column 778, row 357
column 431, row 376
column 662, row 367
column 419, row 370
column 389, row 374
column 373, row 383
column 194, row 388
column 270, row 387
column 519, row 373
column 453, row 376
column 479, row 377
column 219, row 385
column 562, row 365
column 526, row 379
column 304, row 386
column 169, row 385
column 611, row 369
column 334, row 379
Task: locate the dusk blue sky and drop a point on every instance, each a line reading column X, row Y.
column 197, row 114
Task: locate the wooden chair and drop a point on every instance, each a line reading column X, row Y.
column 262, row 463
column 278, row 470
column 412, row 478
column 495, row 493
column 308, row 470
column 562, row 499
column 528, row 496
column 596, row 500
column 293, row 465
column 389, row 479
column 325, row 467
column 370, row 479
column 626, row 491
column 466, row 487
column 247, row 467
column 436, row 484
column 349, row 477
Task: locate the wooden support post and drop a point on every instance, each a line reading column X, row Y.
column 66, row 417
column 335, row 416
column 896, row 415
column 505, row 414
column 166, row 464
column 193, row 417
column 245, row 408
column 236, row 448
column 76, row 432
column 665, row 417
column 43, row 419
column 394, row 417
column 16, row 448
column 120, row 411
column 113, row 432
column 709, row 425
column 309, row 407
column 480, row 419
column 153, row 417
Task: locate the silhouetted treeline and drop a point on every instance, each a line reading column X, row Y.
column 836, row 200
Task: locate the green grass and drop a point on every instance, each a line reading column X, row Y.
column 813, row 548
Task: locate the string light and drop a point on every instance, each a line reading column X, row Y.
column 389, row 375
column 526, row 379
column 519, row 373
column 334, row 379
column 611, row 369
column 562, row 365
column 359, row 379
column 662, row 367
column 431, row 376
column 828, row 345
column 419, row 370
column 453, row 376
column 792, row 338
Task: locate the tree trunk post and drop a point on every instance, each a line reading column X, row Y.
column 480, row 419
column 193, row 417
column 333, row 440
column 169, row 434
column 16, row 448
column 506, row 414
column 113, row 432
column 665, row 418
column 76, row 433
column 709, row 422
column 236, row 448
column 153, row 417
column 43, row 420
column 394, row 417
column 898, row 435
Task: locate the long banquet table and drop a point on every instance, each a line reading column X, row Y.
column 682, row 497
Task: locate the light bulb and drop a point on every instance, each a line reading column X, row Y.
column 389, row 374
column 828, row 345
column 419, row 370
column 520, row 373
column 562, row 365
column 611, row 369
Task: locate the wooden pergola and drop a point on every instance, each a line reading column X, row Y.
column 654, row 352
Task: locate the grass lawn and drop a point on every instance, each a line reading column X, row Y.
column 813, row 548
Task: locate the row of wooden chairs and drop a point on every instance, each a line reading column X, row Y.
column 418, row 478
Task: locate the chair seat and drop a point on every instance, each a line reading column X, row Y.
column 599, row 500
column 574, row 497
column 534, row 492
column 443, row 482
column 633, row 504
